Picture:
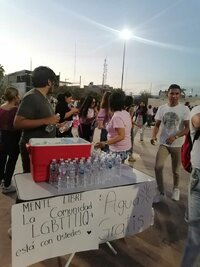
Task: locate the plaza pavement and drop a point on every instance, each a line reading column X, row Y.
column 161, row 245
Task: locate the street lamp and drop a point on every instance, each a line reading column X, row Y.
column 125, row 35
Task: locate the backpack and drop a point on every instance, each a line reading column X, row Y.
column 186, row 149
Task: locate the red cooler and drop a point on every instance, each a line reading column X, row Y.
column 43, row 150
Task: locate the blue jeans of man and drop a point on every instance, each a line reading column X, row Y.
column 191, row 256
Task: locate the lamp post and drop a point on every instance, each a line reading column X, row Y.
column 125, row 35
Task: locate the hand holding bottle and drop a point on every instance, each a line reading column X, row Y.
column 65, row 126
column 51, row 122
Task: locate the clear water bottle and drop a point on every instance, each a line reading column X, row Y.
column 53, row 172
column 95, row 169
column 102, row 170
column 81, row 173
column 50, row 127
column 76, row 164
column 109, row 168
column 72, row 174
column 65, row 127
column 88, row 172
column 118, row 166
column 62, row 177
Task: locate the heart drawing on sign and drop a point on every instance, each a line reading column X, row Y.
column 89, row 232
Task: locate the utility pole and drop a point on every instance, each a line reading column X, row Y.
column 75, row 64
column 105, row 69
column 31, row 64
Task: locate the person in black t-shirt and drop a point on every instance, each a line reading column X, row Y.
column 66, row 111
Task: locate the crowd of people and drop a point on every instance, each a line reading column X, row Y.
column 118, row 120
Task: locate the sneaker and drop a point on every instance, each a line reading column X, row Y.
column 131, row 159
column 9, row 189
column 176, row 194
column 159, row 197
column 10, row 232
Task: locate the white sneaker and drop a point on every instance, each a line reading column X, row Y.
column 176, row 194
column 9, row 189
column 158, row 198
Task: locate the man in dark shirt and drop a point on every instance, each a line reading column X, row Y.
column 35, row 115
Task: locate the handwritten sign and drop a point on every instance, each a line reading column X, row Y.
column 52, row 227
column 61, row 225
column 125, row 210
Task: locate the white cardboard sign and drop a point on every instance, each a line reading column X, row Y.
column 57, row 226
column 125, row 210
column 52, row 227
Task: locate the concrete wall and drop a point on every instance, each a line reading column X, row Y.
column 158, row 102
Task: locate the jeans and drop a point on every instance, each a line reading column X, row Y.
column 162, row 154
column 25, row 157
column 8, row 155
column 191, row 256
column 103, row 137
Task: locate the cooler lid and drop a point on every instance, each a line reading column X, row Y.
column 58, row 141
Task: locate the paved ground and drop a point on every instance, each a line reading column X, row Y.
column 159, row 246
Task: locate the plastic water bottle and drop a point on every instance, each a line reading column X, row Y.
column 81, row 173
column 96, row 171
column 65, row 127
column 88, row 172
column 72, row 174
column 109, row 168
column 118, row 166
column 62, row 177
column 102, row 170
column 76, row 164
column 50, row 127
column 53, row 172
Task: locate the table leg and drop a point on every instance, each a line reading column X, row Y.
column 111, row 248
column 70, row 259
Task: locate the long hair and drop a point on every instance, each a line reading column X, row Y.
column 85, row 106
column 128, row 102
column 105, row 101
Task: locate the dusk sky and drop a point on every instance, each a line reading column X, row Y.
column 74, row 38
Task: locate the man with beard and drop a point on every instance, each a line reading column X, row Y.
column 173, row 118
column 35, row 115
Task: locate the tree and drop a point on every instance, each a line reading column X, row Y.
column 144, row 96
column 1, row 79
